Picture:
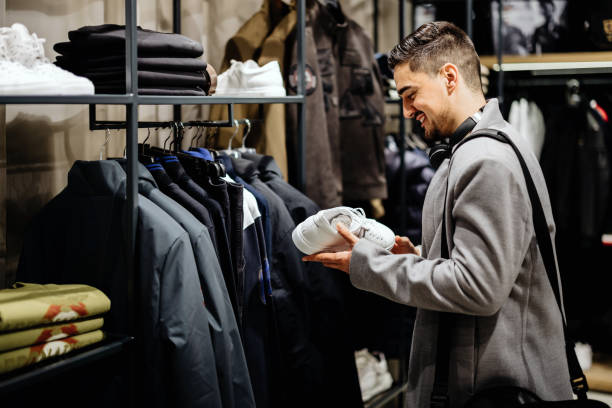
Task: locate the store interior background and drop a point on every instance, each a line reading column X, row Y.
column 45, row 140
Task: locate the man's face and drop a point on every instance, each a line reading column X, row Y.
column 424, row 98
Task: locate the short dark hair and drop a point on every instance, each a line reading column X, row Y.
column 434, row 44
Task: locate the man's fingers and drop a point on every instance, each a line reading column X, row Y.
column 322, row 257
column 347, row 235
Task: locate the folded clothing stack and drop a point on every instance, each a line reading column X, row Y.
column 168, row 64
column 38, row 322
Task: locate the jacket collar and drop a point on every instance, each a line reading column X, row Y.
column 332, row 22
column 101, row 178
column 145, row 179
column 491, row 116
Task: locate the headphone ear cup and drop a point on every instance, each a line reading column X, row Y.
column 438, row 153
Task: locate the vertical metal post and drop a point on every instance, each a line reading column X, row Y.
column 176, row 28
column 469, row 26
column 500, row 52
column 301, row 90
column 131, row 65
column 375, row 13
column 131, row 142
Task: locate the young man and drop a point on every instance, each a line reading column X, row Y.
column 506, row 327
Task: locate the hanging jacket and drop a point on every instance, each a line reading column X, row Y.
column 234, row 382
column 79, row 237
column 418, row 173
column 575, row 164
column 344, row 109
column 328, row 295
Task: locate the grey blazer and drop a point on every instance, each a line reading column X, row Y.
column 509, row 327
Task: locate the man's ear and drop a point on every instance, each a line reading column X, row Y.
column 450, row 76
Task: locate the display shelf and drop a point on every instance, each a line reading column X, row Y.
column 212, row 100
column 67, row 99
column 584, row 62
column 47, row 369
column 141, row 100
column 384, row 397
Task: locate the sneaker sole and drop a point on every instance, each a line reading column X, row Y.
column 253, row 92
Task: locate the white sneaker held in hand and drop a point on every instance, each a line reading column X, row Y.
column 318, row 232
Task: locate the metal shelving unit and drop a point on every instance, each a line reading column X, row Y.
column 131, row 100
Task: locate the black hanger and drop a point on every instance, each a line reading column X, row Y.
column 144, row 155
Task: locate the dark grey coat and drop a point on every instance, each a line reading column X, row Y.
column 234, row 382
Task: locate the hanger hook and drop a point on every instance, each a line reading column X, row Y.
column 248, row 123
column 148, row 135
column 237, row 125
column 178, row 136
column 108, row 136
column 172, row 124
column 200, row 134
column 195, row 136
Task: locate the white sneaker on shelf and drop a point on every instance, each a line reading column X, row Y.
column 24, row 69
column 249, row 79
column 318, row 232
column 374, row 376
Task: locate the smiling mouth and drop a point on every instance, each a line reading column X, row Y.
column 420, row 117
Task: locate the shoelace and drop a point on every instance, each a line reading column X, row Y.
column 366, row 225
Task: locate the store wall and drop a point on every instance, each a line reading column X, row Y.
column 39, row 143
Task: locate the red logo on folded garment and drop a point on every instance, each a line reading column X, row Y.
column 52, row 311
column 79, row 308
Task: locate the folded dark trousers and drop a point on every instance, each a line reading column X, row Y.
column 117, row 62
column 158, row 90
column 146, row 78
column 109, row 39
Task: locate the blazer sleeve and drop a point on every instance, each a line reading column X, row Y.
column 489, row 215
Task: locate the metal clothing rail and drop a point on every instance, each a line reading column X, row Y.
column 95, row 124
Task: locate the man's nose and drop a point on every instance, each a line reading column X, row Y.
column 409, row 111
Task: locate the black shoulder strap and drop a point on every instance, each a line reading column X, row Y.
column 439, row 397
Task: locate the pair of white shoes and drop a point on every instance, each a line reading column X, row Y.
column 374, row 376
column 250, row 80
column 24, row 69
column 318, row 233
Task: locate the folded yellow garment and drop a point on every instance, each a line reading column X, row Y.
column 12, row 360
column 44, row 334
column 30, row 304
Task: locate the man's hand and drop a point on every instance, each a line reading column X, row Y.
column 336, row 260
column 404, row 246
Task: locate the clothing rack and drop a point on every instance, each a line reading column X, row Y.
column 132, row 100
